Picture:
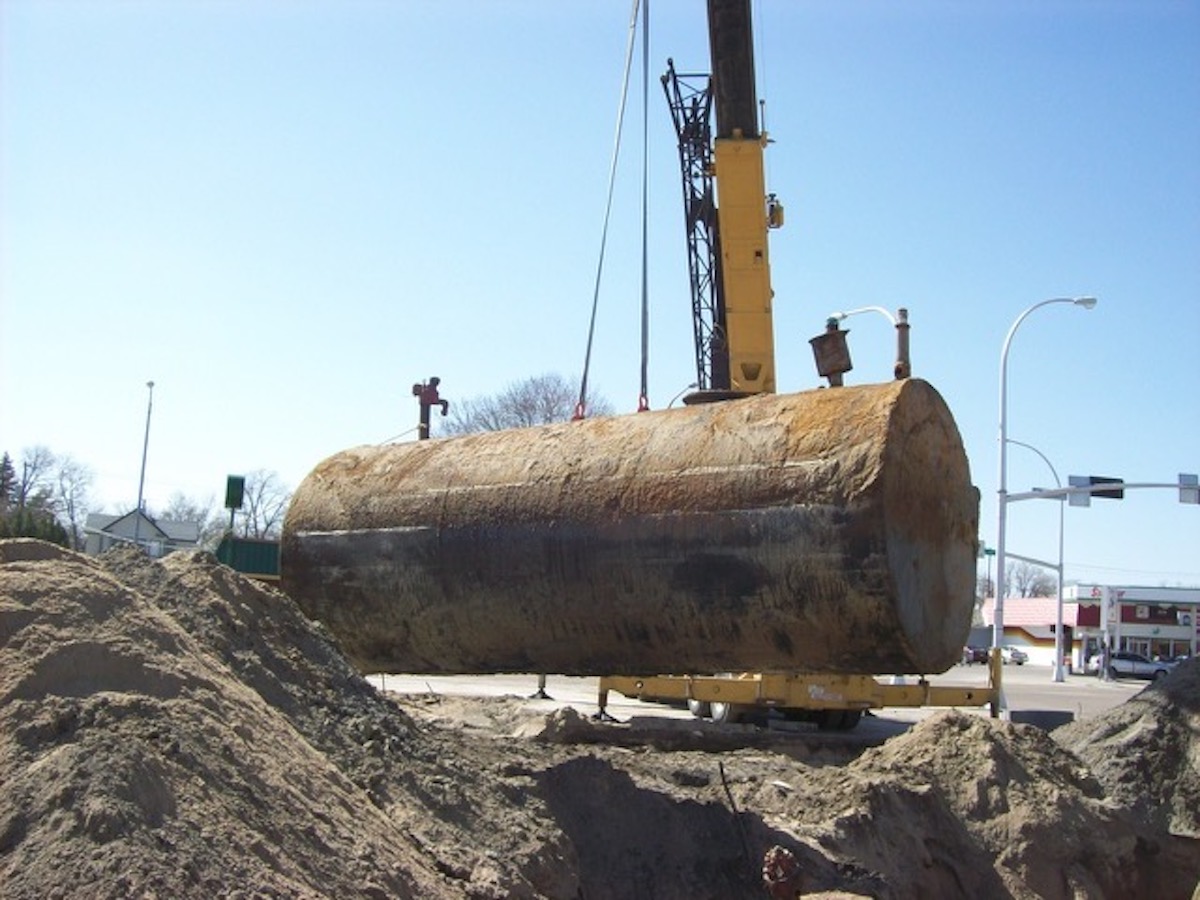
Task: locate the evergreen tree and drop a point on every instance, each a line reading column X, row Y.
column 8, row 482
column 32, row 523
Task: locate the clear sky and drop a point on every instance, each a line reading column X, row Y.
column 286, row 213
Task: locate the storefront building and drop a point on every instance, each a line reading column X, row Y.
column 1155, row 622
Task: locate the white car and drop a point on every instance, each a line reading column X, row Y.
column 1133, row 665
column 1014, row 655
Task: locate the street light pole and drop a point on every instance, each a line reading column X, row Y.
column 694, row 384
column 137, row 520
column 1002, row 490
column 1058, row 618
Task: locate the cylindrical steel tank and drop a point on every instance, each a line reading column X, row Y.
column 826, row 531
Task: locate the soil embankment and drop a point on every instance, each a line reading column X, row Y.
column 171, row 728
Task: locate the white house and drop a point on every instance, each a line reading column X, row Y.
column 158, row 536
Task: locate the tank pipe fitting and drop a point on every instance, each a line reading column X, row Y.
column 427, row 395
column 903, row 366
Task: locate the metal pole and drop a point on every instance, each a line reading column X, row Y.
column 1002, row 489
column 423, row 423
column 1058, row 615
column 1105, row 636
column 903, row 368
column 137, row 521
column 1058, row 626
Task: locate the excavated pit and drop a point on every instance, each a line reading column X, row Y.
column 174, row 730
column 826, row 531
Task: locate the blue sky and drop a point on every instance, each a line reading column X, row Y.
column 285, row 214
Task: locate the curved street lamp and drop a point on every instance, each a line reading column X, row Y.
column 1002, row 490
column 694, row 384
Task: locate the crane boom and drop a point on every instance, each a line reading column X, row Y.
column 728, row 256
column 731, row 48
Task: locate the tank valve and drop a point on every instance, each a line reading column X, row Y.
column 428, row 396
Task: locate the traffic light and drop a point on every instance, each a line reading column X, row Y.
column 1084, row 498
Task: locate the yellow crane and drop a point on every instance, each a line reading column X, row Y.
column 727, row 210
column 728, row 215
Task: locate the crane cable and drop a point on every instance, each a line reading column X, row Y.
column 643, row 393
column 581, row 406
column 762, row 89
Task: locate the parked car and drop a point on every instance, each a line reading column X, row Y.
column 1124, row 664
column 974, row 655
column 1014, row 655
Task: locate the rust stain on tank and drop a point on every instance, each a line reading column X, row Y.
column 830, row 530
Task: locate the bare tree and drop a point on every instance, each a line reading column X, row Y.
column 211, row 520
column 35, row 482
column 1028, row 580
column 539, row 400
column 264, row 502
column 984, row 588
column 73, row 480
column 30, row 507
column 56, row 486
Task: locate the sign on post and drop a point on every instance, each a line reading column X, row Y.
column 235, row 489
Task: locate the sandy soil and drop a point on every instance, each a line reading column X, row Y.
column 173, row 729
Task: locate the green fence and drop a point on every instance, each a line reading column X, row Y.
column 250, row 556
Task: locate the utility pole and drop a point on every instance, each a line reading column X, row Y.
column 137, row 520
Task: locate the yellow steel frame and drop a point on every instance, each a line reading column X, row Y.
column 790, row 690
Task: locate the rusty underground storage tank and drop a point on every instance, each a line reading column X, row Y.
column 826, row 531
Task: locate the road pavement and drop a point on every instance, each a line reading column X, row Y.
column 1027, row 690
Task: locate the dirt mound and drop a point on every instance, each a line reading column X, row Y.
column 173, row 728
column 1146, row 752
column 964, row 806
